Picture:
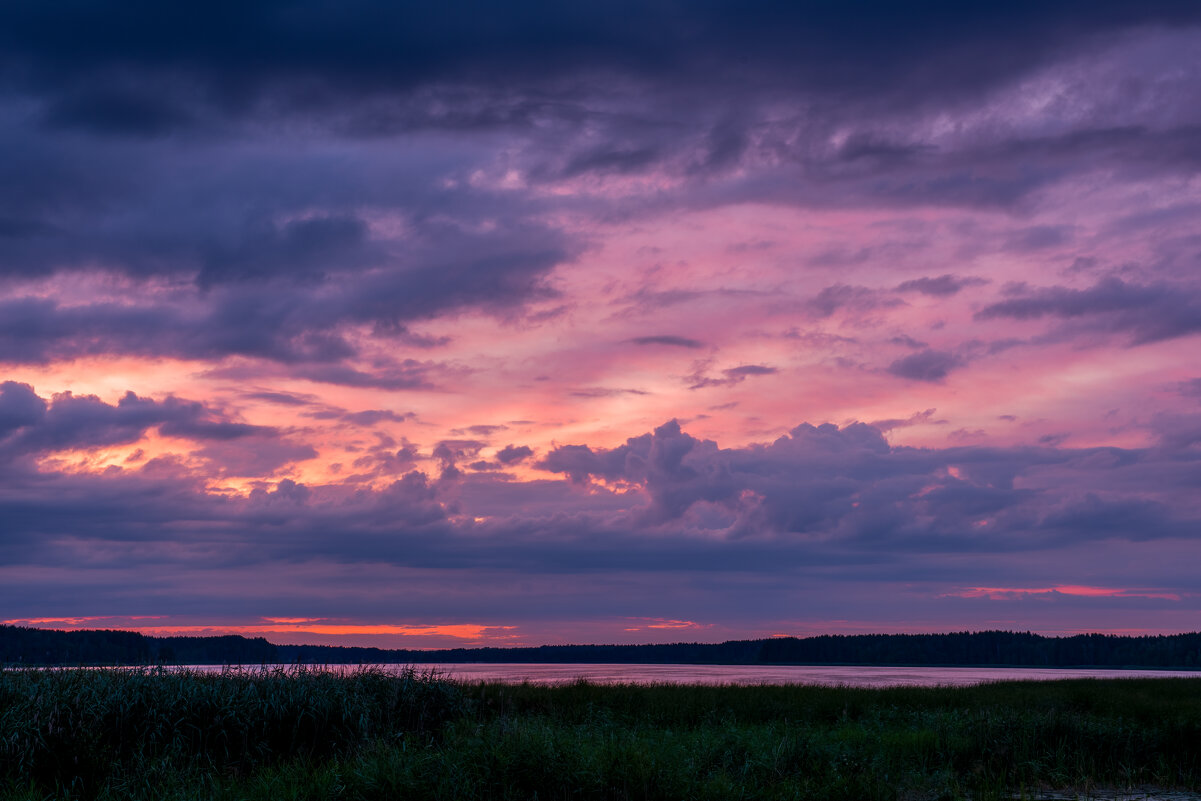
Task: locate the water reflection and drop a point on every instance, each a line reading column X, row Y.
column 852, row 676
column 828, row 676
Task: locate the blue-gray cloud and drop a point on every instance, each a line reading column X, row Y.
column 670, row 340
column 1144, row 313
column 824, row 505
column 939, row 286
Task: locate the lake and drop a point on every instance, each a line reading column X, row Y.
column 851, row 676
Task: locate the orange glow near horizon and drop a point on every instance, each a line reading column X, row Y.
column 508, row 636
column 663, row 623
column 1003, row 593
column 465, row 631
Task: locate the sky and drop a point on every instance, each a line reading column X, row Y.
column 429, row 325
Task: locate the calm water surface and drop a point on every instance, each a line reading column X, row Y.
column 848, row 676
column 766, row 674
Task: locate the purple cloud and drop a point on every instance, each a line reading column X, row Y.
column 1145, row 312
column 941, row 286
column 29, row 424
column 670, row 341
column 730, row 376
column 514, row 454
column 926, row 365
column 836, row 507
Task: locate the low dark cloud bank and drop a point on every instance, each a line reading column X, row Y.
column 664, row 502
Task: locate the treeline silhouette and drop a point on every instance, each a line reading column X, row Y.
column 987, row 648
column 735, row 652
column 19, row 645
column 28, row 646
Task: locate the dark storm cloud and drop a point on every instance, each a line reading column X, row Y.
column 847, row 479
column 367, row 417
column 409, row 374
column 926, row 365
column 234, row 245
column 1177, row 432
column 514, row 454
column 30, row 424
column 739, row 373
column 533, row 68
column 299, row 321
column 260, row 459
column 452, row 451
column 384, row 458
column 1143, row 312
column 20, row 407
column 31, row 427
column 669, row 340
column 281, row 398
column 215, row 154
column 370, row 417
column 481, row 429
column 848, row 483
column 1190, row 388
column 990, row 169
column 851, row 299
column 607, row 160
column 230, row 51
column 133, row 107
column 916, row 419
column 1038, row 237
column 456, row 269
column 604, row 392
column 303, row 249
column 730, row 376
column 822, row 505
column 941, row 286
column 705, row 69
column 37, row 330
column 907, row 341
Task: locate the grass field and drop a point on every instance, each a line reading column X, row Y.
column 143, row 734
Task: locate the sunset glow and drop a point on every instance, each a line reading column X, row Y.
column 682, row 324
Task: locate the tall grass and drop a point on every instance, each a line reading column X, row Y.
column 86, row 732
column 368, row 735
column 988, row 741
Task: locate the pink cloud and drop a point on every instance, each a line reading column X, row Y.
column 1009, row 593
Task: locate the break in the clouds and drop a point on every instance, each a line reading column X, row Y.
column 520, row 326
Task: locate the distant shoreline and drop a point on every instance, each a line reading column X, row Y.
column 997, row 649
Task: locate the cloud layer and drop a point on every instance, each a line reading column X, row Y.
column 576, row 315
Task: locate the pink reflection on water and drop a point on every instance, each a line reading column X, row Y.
column 850, row 676
column 823, row 676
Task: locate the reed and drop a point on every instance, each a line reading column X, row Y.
column 79, row 733
column 309, row 734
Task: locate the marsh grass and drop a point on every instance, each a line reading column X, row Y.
column 90, row 732
column 368, row 735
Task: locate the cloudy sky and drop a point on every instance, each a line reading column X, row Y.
column 422, row 325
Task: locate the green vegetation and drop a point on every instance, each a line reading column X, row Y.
column 274, row 734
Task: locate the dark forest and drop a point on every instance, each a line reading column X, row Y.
column 27, row 646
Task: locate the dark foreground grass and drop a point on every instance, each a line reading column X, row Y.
column 277, row 735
